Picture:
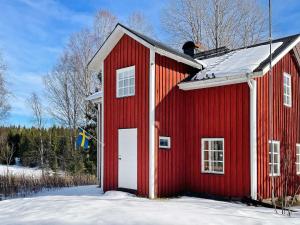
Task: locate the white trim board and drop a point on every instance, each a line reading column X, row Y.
column 115, row 37
column 281, row 55
column 152, row 193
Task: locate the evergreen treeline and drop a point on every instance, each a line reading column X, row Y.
column 59, row 149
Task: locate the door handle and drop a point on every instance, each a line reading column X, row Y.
column 119, row 158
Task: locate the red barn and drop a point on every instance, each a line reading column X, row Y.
column 198, row 121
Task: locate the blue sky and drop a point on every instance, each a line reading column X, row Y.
column 33, row 34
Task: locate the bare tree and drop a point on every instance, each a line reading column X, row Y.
column 104, row 23
column 38, row 115
column 4, row 103
column 214, row 23
column 138, row 22
column 6, row 151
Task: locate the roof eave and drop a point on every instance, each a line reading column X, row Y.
column 95, row 98
column 114, row 38
column 216, row 82
column 281, row 55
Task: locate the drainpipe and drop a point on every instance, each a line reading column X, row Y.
column 253, row 137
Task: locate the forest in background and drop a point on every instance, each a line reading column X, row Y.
column 59, row 152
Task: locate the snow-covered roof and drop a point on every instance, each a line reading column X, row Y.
column 236, row 62
column 224, row 67
column 95, row 98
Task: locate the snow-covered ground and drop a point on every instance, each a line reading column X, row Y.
column 20, row 170
column 88, row 205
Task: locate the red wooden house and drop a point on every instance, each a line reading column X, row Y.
column 198, row 121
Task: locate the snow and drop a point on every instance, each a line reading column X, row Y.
column 96, row 97
column 88, row 205
column 236, row 62
column 20, row 171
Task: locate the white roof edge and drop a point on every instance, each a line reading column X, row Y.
column 95, row 98
column 114, row 38
column 216, row 82
column 281, row 55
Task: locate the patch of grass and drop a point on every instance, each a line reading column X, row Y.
column 21, row 186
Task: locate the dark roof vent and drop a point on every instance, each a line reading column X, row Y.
column 211, row 53
column 190, row 48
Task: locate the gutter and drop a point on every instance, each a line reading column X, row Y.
column 220, row 81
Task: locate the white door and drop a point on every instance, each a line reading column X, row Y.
column 127, row 169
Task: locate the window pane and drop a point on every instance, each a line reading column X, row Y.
column 276, row 158
column 131, row 81
column 276, row 148
column 121, row 92
column 217, row 166
column 217, row 156
column 206, row 166
column 126, row 82
column 275, row 169
column 131, row 91
column 206, row 155
column 120, row 84
column 121, row 76
column 205, row 147
column 125, row 91
column 217, row 145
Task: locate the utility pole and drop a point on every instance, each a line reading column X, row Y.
column 216, row 23
column 271, row 107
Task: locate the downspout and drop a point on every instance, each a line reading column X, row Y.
column 152, row 193
column 253, row 137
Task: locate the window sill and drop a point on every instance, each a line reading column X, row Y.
column 213, row 173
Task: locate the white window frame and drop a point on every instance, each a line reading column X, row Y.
column 209, row 157
column 168, row 139
column 287, row 87
column 125, row 87
column 298, row 157
column 277, row 154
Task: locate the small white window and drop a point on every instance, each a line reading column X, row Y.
column 212, row 155
column 298, row 159
column 287, row 90
column 274, row 159
column 126, row 82
column 164, row 142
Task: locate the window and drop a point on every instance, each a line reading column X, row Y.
column 213, row 155
column 298, row 159
column 287, row 90
column 126, row 82
column 164, row 142
column 274, row 159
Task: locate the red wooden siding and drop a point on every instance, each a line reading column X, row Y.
column 220, row 112
column 170, row 121
column 129, row 112
column 188, row 116
column 286, row 122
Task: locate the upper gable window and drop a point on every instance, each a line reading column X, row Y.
column 126, row 82
column 287, row 90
